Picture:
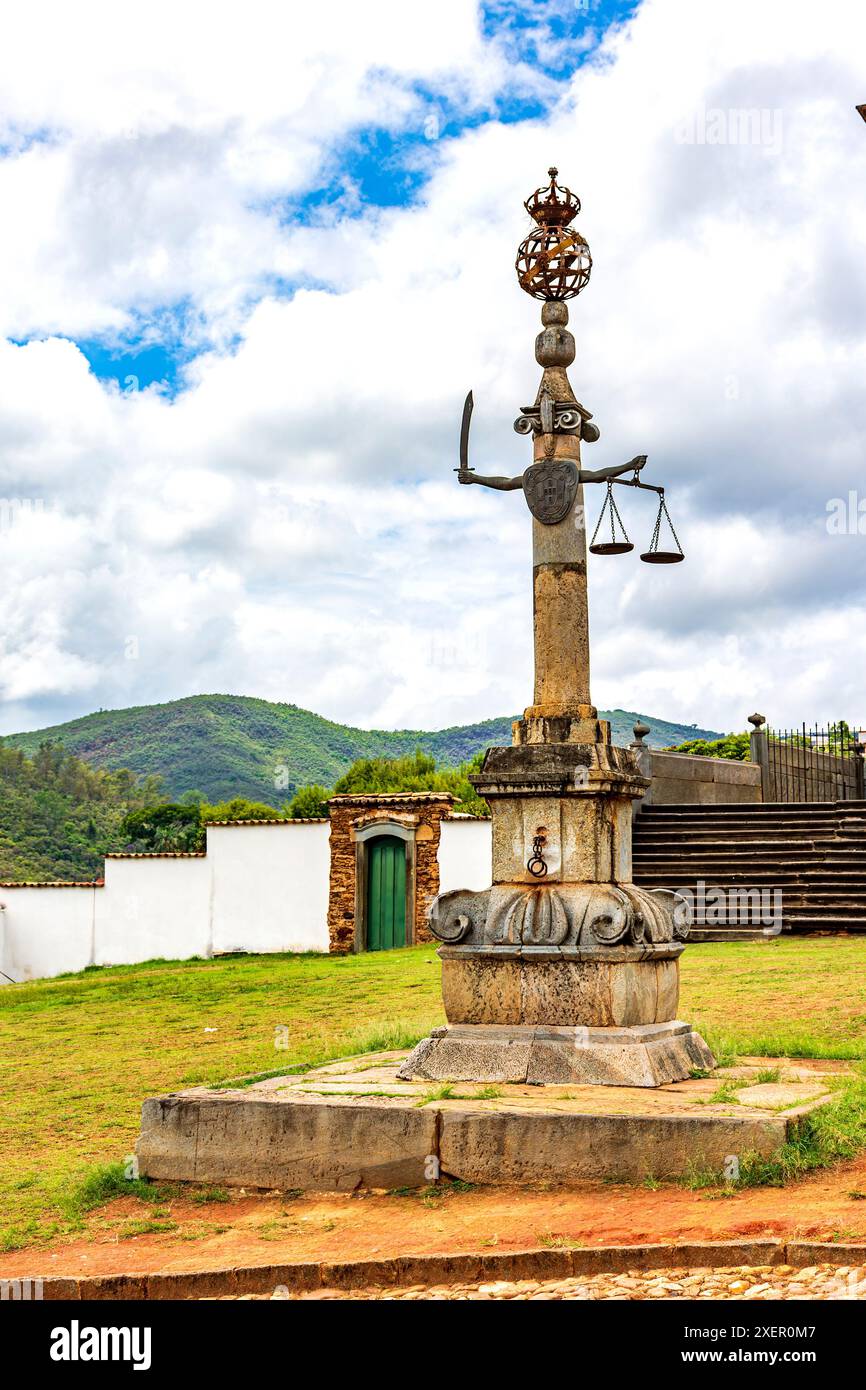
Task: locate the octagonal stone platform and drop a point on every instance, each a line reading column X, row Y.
column 646, row 1055
column 354, row 1124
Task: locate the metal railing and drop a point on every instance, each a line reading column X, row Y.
column 814, row 764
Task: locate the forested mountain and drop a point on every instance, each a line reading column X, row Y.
column 225, row 746
column 59, row 816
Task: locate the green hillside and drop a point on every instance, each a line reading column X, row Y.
column 233, row 745
column 59, row 816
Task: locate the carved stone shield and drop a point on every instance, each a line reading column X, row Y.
column 550, row 488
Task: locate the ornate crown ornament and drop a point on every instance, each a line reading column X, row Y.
column 553, row 204
column 553, row 261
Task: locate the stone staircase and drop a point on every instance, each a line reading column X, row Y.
column 808, row 860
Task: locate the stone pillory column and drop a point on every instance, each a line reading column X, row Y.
column 563, row 970
column 560, row 620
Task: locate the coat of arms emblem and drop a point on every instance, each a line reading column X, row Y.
column 550, row 488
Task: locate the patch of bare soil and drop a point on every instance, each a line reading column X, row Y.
column 268, row 1228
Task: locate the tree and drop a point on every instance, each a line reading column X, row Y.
column 238, row 808
column 735, row 747
column 840, row 738
column 168, row 828
column 59, row 815
column 309, row 803
column 415, row 772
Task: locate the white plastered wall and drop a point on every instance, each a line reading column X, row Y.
column 259, row 888
column 270, row 886
column 46, row 931
column 153, row 909
column 465, row 854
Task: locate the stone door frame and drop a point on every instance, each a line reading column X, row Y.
column 374, row 830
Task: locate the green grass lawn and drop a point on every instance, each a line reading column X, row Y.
column 79, row 1053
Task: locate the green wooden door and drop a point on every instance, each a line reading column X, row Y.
column 386, row 893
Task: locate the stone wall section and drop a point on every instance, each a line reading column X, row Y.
column 421, row 813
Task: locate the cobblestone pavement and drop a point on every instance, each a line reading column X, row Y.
column 754, row 1283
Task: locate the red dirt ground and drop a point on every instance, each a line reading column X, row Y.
column 270, row 1228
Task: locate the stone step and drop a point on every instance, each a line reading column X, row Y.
column 695, row 845
column 748, row 816
column 699, row 934
column 801, row 893
column 749, row 820
column 824, row 909
column 795, row 894
column 779, row 834
column 855, row 894
column 803, row 844
column 804, row 880
column 738, row 872
column 809, row 922
column 755, row 808
column 758, row 859
column 791, row 910
column 813, row 853
column 748, row 847
column 747, row 834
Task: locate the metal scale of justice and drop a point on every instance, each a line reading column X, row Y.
column 619, row 543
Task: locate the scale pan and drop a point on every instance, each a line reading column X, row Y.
column 662, row 557
column 611, row 548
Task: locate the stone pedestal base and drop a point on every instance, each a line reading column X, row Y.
column 535, row 986
column 651, row 1054
column 353, row 1125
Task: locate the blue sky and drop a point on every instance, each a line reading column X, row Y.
column 135, row 362
column 381, row 167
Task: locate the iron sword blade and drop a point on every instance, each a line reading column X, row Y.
column 464, row 435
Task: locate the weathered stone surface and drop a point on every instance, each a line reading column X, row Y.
column 566, row 992
column 779, row 1095
column 809, row 1253
column 526, row 1148
column 668, row 982
column 670, row 1275
column 580, row 921
column 643, row 992
column 652, row 1055
column 354, row 1123
column 543, row 988
column 481, row 991
column 171, row 1128
column 683, row 778
column 540, row 725
column 561, row 636
column 486, row 1054
column 739, row 1269
column 261, row 1141
column 622, row 1062
column 580, row 801
column 569, row 768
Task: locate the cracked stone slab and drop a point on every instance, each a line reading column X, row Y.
column 779, row 1095
column 353, row 1124
column 654, row 1054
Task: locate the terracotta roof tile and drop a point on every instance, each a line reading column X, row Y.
column 283, row 820
column 46, row 883
column 390, row 798
column 159, row 854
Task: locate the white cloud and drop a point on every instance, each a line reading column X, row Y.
column 289, row 525
column 166, row 141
